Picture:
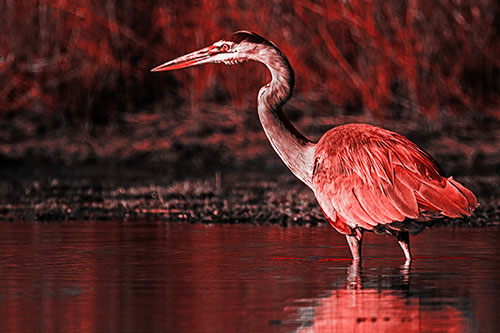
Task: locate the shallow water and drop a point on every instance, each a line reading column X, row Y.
column 147, row 276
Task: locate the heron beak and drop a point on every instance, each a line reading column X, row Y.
column 199, row 57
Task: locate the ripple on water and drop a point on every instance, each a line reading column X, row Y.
column 125, row 276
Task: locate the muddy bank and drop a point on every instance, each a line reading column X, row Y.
column 242, row 195
column 217, row 169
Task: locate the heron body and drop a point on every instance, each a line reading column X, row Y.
column 364, row 177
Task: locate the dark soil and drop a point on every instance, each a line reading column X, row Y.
column 256, row 194
column 148, row 166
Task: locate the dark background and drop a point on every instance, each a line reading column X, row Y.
column 80, row 105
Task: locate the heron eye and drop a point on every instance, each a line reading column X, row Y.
column 224, row 48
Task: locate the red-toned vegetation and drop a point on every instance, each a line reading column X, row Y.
column 73, row 64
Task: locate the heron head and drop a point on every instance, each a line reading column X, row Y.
column 240, row 46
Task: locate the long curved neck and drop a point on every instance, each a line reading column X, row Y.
column 296, row 151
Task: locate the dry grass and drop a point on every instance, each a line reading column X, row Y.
column 229, row 196
column 78, row 64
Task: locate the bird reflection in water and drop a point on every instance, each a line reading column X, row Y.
column 374, row 301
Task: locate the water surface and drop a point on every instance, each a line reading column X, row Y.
column 156, row 276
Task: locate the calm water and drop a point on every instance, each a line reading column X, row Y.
column 130, row 277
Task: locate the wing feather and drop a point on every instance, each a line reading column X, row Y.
column 370, row 176
column 377, row 205
column 471, row 198
column 402, row 197
column 348, row 203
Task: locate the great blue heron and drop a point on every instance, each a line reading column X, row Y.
column 364, row 177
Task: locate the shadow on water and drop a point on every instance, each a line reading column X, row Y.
column 148, row 276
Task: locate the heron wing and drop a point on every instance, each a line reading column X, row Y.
column 365, row 176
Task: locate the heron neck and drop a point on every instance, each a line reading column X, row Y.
column 296, row 151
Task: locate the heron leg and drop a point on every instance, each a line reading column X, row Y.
column 354, row 240
column 404, row 241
